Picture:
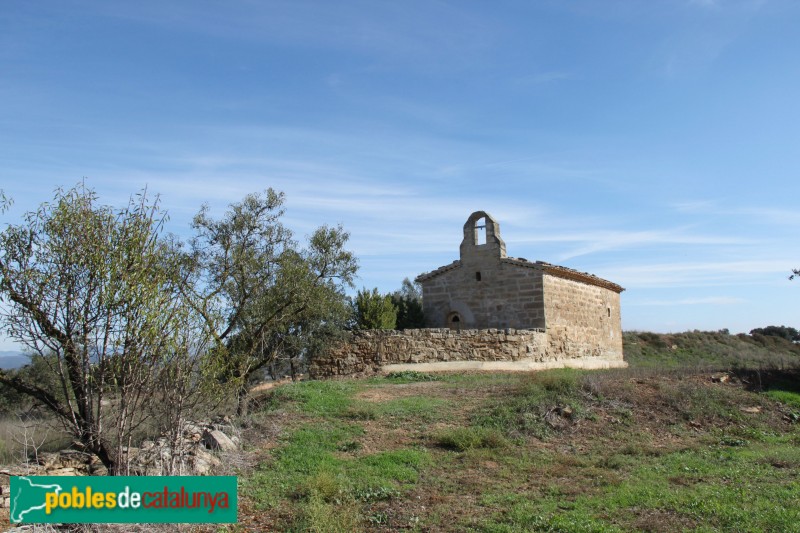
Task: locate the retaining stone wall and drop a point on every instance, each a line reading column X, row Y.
column 366, row 352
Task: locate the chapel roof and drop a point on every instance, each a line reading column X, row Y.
column 547, row 268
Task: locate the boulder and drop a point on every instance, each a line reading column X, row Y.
column 217, row 440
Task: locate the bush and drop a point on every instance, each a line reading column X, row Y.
column 374, row 310
column 408, row 301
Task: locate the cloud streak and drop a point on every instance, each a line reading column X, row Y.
column 704, row 274
column 711, row 300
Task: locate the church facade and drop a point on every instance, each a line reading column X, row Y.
column 486, row 289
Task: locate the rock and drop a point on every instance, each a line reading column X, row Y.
column 217, row 440
column 47, row 459
column 722, row 377
column 98, row 470
column 131, row 452
column 73, row 458
column 64, row 472
column 203, row 462
column 751, row 410
column 186, row 455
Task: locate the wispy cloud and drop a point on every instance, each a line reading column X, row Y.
column 606, row 240
column 710, row 300
column 701, row 273
column 755, row 214
column 695, row 46
column 445, row 35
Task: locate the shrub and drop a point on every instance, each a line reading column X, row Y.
column 374, row 310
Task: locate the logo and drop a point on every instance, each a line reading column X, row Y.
column 123, row 499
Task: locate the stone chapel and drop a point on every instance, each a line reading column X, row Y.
column 486, row 289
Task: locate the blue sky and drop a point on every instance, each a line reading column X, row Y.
column 654, row 143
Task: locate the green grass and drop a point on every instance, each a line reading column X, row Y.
column 319, row 398
column 412, row 409
column 310, row 464
column 715, row 488
column 533, row 407
column 790, row 398
column 708, row 349
column 319, row 475
column 467, row 438
column 564, row 450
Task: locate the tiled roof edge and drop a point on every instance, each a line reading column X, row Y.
column 575, row 275
column 432, row 274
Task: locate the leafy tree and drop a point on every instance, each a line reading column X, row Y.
column 784, row 332
column 40, row 371
column 263, row 297
column 374, row 310
column 91, row 291
column 408, row 301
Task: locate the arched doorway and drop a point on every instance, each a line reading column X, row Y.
column 454, row 321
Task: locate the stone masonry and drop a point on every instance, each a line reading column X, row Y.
column 485, row 288
column 488, row 310
column 371, row 351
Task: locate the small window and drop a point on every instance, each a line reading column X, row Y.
column 477, row 276
column 609, row 312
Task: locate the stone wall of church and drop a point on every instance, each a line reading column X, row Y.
column 583, row 319
column 486, row 293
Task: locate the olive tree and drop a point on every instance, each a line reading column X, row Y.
column 95, row 292
column 263, row 297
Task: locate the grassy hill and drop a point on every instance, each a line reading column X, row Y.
column 708, row 349
column 668, row 444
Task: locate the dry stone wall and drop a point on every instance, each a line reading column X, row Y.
column 370, row 351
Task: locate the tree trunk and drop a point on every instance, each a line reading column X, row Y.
column 102, row 453
column 242, row 401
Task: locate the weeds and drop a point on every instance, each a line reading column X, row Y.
column 467, row 438
column 545, row 402
column 410, row 376
column 707, row 350
column 623, row 450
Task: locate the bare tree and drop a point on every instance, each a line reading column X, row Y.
column 95, row 289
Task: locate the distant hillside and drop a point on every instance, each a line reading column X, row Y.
column 717, row 349
column 9, row 360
